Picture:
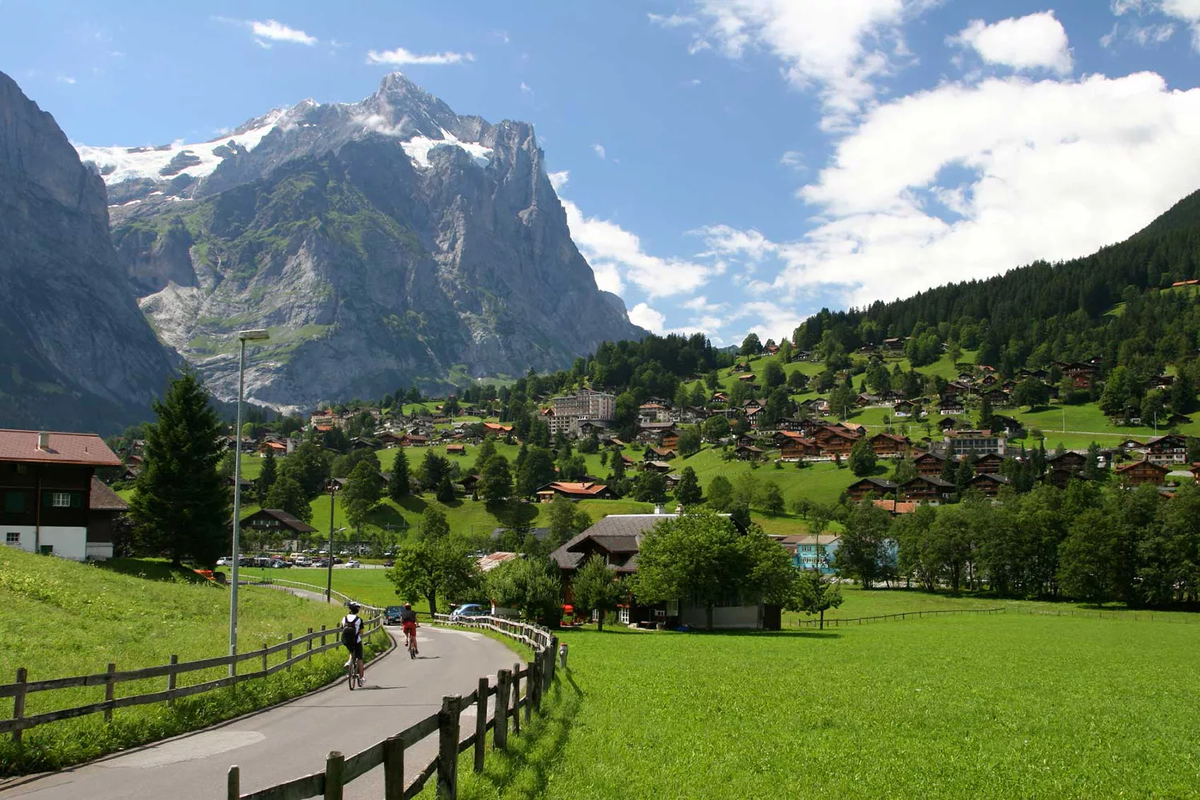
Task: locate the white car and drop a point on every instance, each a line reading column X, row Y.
column 352, row 564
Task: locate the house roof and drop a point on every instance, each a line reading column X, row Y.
column 84, row 449
column 588, row 488
column 103, row 498
column 286, row 519
column 934, row 479
column 1135, row 464
column 896, row 506
column 617, row 528
column 882, row 483
column 490, row 561
column 808, row 538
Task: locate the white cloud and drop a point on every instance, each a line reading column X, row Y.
column 648, row 318
column 617, row 259
column 841, row 47
column 1151, row 34
column 1120, row 7
column 793, row 159
column 67, row 79
column 769, row 320
column 724, row 241
column 673, row 21
column 559, row 179
column 963, row 182
column 401, row 57
column 1187, row 11
column 525, row 88
column 278, row 32
column 598, row 149
column 1036, row 41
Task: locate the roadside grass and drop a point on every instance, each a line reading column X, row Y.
column 60, row 619
column 974, row 706
column 369, row 586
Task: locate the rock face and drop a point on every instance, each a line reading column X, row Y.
column 382, row 243
column 77, row 353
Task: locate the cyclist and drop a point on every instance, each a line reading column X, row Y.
column 408, row 621
column 352, row 626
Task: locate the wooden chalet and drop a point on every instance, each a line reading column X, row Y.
column 989, row 484
column 1140, row 472
column 587, row 490
column 889, row 445
column 929, row 463
column 835, row 440
column 880, row 487
column 795, row 446
column 989, row 462
column 748, row 452
column 1067, row 460
column 927, row 489
column 1169, row 449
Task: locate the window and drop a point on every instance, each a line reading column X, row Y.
column 623, row 615
column 14, row 502
column 12, row 539
column 60, row 499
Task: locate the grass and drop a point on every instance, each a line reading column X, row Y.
column 60, row 618
column 974, row 706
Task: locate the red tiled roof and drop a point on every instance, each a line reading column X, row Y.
column 86, row 449
column 589, row 488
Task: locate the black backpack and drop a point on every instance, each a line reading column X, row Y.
column 350, row 630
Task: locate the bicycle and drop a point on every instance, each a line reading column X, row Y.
column 410, row 641
column 354, row 673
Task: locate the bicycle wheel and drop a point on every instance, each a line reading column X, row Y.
column 350, row 670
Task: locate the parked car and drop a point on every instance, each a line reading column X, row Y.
column 352, row 564
column 225, row 561
column 321, row 562
column 389, row 563
column 391, row 615
column 279, row 563
column 469, row 610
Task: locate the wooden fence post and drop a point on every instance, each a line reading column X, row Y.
column 19, row 702
column 500, row 733
column 309, row 643
column 264, row 649
column 551, row 654
column 447, row 768
column 532, row 685
column 481, row 705
column 234, row 783
column 171, row 680
column 393, row 769
column 516, row 696
column 322, row 636
column 334, row 766
column 289, row 652
column 109, row 691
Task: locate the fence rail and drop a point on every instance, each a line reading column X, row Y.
column 446, row 723
column 20, row 690
column 836, row 621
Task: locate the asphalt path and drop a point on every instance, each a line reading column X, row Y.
column 293, row 739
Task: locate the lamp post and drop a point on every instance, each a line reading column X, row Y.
column 333, row 487
column 243, row 337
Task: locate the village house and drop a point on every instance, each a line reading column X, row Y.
column 46, row 485
column 1168, row 449
column 929, row 463
column 812, row 552
column 905, row 408
column 989, row 484
column 653, row 412
column 929, row 489
column 277, row 525
column 586, row 490
column 880, row 487
column 617, row 539
column 951, row 405
column 748, row 452
column 962, row 443
column 794, row 446
column 1140, row 472
column 835, row 440
column 889, row 445
column 989, row 462
column 896, row 507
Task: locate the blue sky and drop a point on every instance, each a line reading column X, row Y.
column 727, row 165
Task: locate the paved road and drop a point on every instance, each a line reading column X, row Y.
column 293, row 739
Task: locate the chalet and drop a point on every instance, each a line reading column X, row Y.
column 720, row 398
column 1139, row 472
column 1061, row 476
column 456, row 450
column 929, row 463
column 654, row 412
column 276, row 523
column 1067, row 460
column 617, row 539
column 1011, row 426
column 753, row 415
column 951, row 405
column 794, row 446
column 889, row 445
column 389, row 439
column 865, row 486
column 497, row 429
column 470, row 483
column 276, row 447
column 1082, row 375
column 988, row 463
column 894, row 344
column 588, row 490
column 656, row 466
column 1131, row 444
column 659, row 453
column 413, row 440
column 989, row 484
column 360, row 443
column 665, row 432
column 997, row 397
column 748, row 452
column 854, row 427
column 905, row 408
column 927, row 489
column 835, row 440
column 866, row 399
column 1169, row 449
column 1195, row 470
column 748, row 378
column 947, row 424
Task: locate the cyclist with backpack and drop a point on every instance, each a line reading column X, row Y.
column 408, row 622
column 352, row 626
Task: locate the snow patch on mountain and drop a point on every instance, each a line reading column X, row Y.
column 117, row 164
column 419, row 147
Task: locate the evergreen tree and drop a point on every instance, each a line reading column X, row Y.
column 536, row 472
column 687, row 491
column 269, row 473
column 399, row 486
column 182, row 504
column 985, row 414
column 287, row 495
column 445, row 490
column 487, row 449
column 309, row 467
column 720, row 493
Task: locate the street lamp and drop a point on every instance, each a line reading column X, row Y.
column 333, row 487
column 243, row 337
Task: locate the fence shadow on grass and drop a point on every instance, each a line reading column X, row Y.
column 525, row 765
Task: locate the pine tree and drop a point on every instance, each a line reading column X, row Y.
column 400, row 485
column 268, row 475
column 687, row 491
column 182, row 503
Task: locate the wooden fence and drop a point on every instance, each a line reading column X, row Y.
column 23, row 687
column 835, row 621
column 389, row 753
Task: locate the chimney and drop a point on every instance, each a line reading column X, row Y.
column 659, row 509
column 43, row 441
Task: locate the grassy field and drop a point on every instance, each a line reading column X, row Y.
column 60, row 618
column 976, row 706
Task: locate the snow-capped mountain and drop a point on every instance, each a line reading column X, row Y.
column 381, row 242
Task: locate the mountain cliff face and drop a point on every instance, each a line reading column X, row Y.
column 77, row 353
column 381, row 243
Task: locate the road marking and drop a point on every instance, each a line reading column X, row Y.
column 189, row 748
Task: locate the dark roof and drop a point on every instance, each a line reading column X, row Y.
column 102, row 498
column 615, row 530
column 882, row 483
column 286, row 519
column 934, row 479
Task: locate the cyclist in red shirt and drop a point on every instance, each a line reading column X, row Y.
column 408, row 622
